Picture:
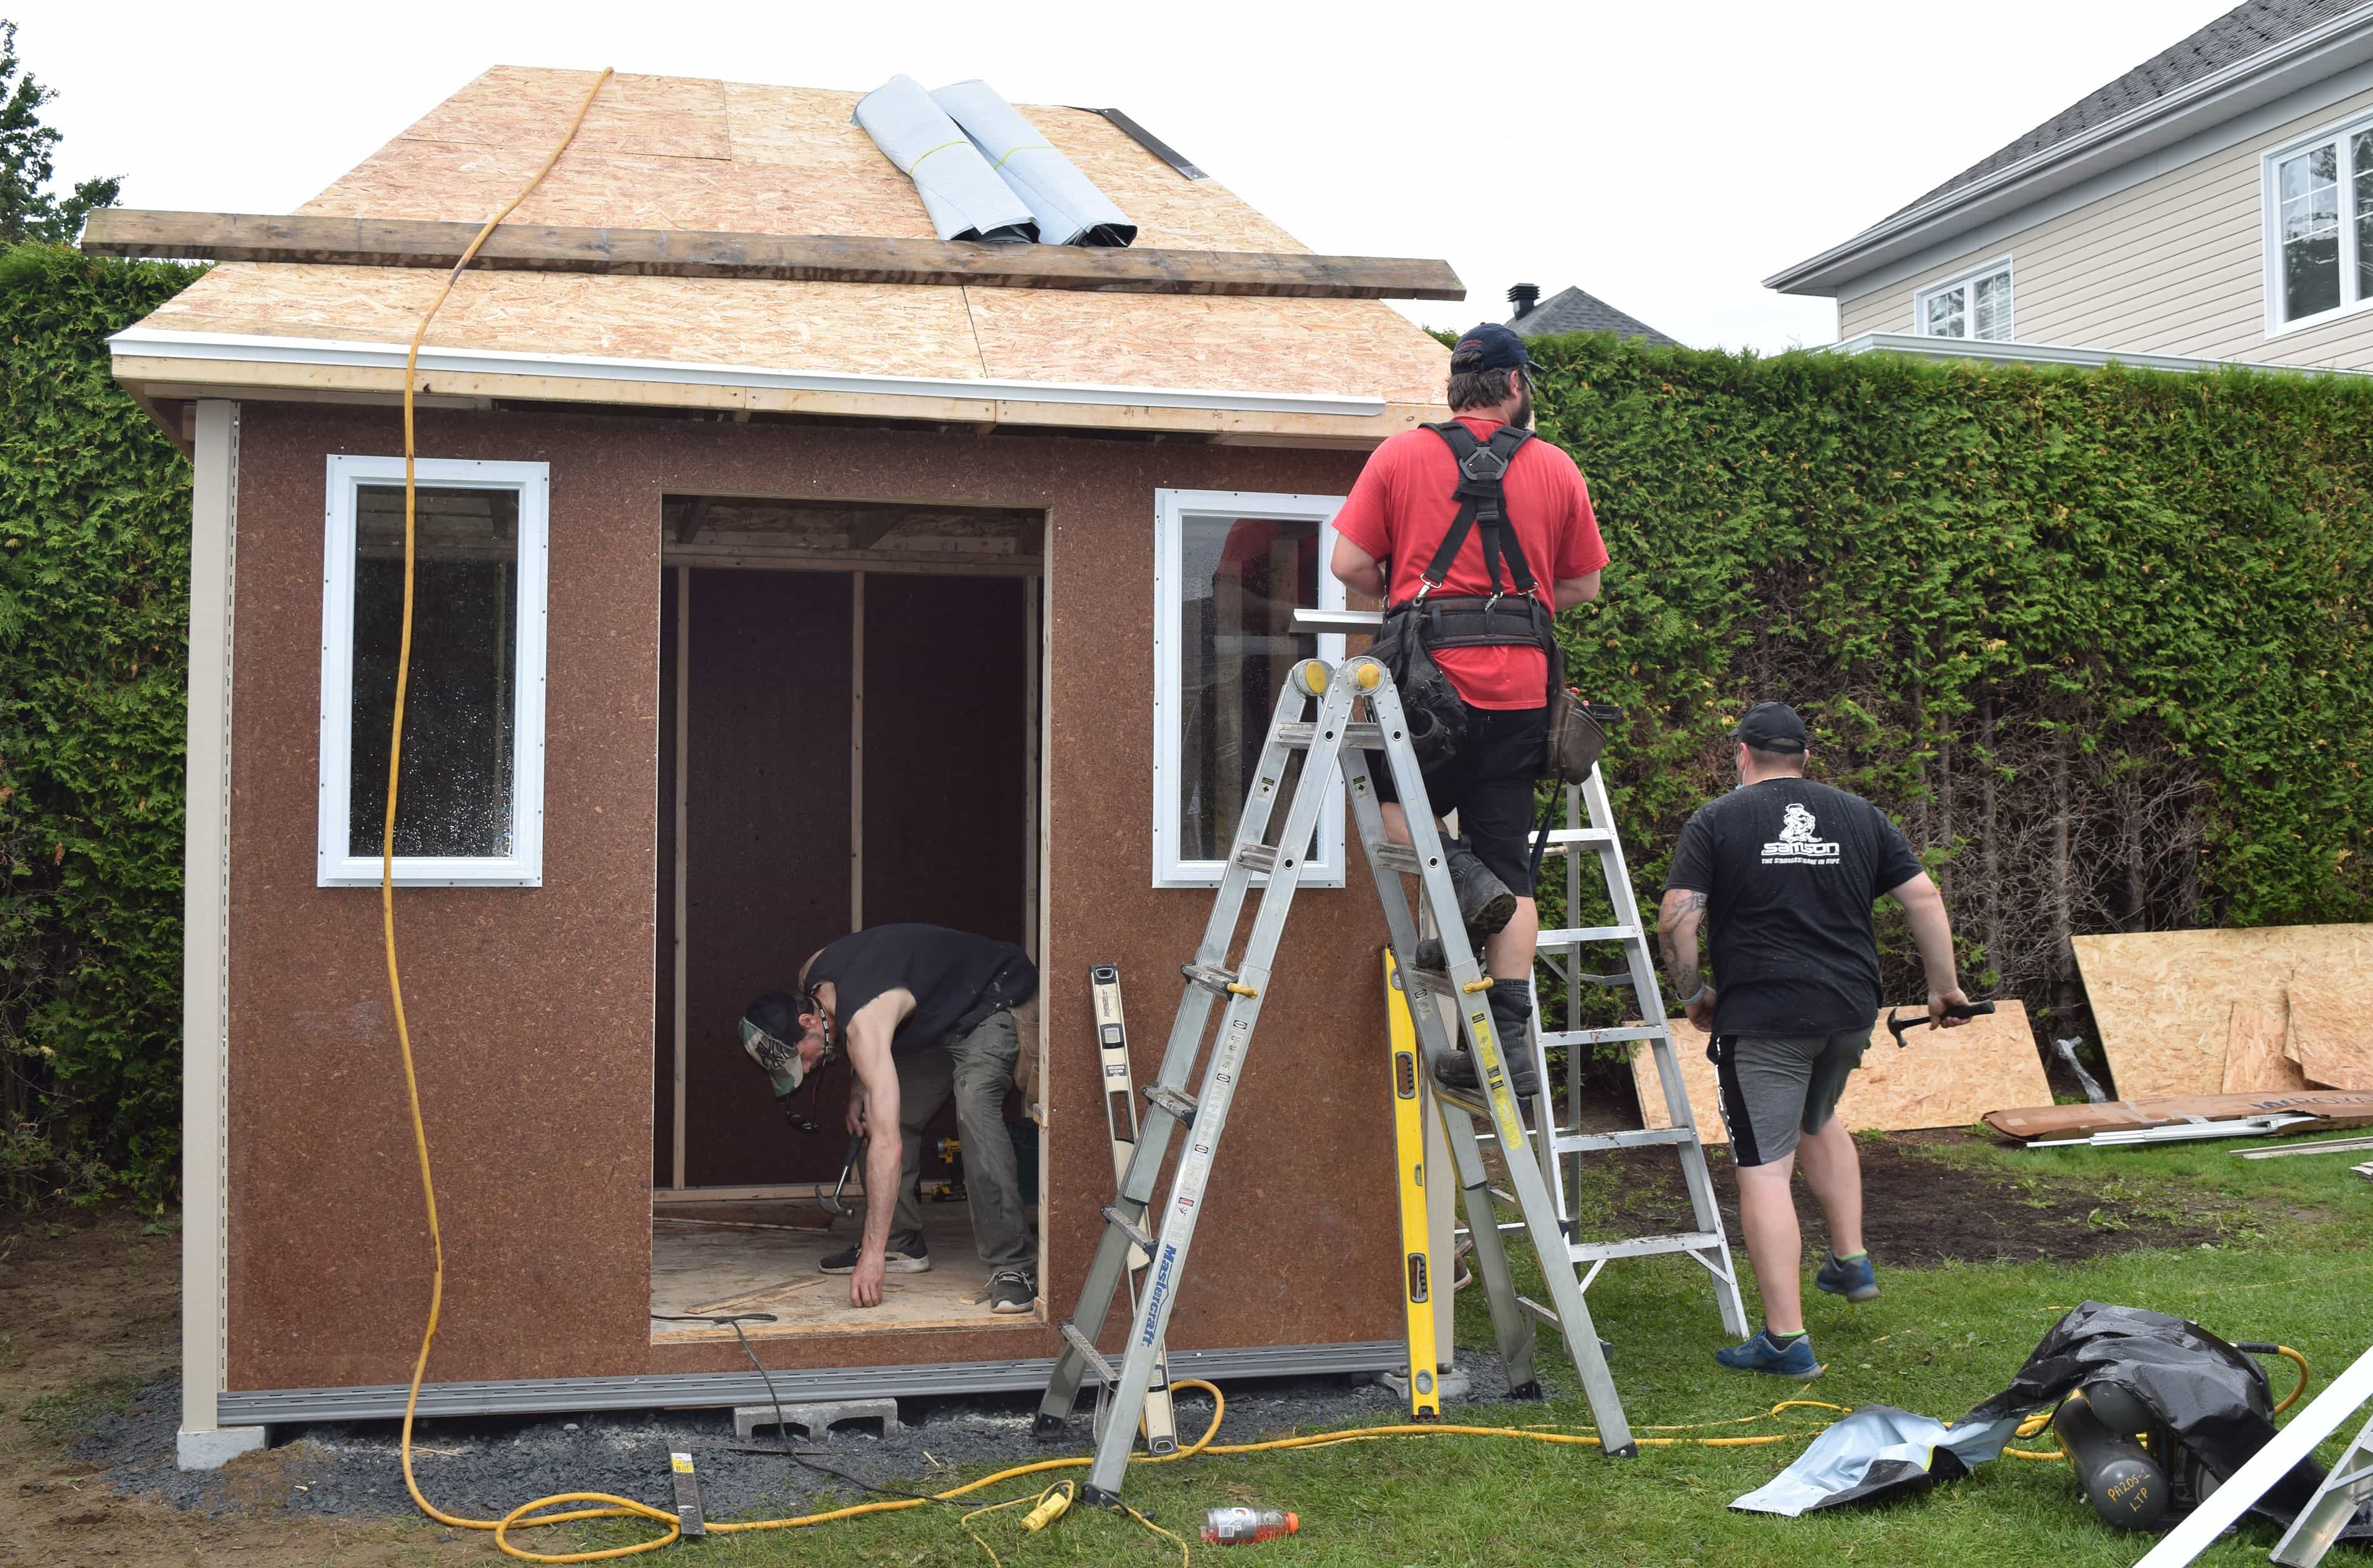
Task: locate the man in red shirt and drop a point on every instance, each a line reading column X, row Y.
column 1386, row 534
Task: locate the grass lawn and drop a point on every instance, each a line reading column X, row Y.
column 2293, row 1262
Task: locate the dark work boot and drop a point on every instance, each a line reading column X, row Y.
column 1511, row 1022
column 1485, row 904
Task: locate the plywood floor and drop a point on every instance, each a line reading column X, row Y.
column 742, row 1267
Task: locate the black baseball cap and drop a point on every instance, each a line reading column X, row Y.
column 1490, row 346
column 1771, row 727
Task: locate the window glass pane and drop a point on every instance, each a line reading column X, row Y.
column 1946, row 313
column 2362, row 155
column 2311, row 230
column 1243, row 579
column 1994, row 307
column 458, row 705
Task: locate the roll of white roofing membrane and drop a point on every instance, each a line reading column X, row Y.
column 963, row 196
column 1068, row 207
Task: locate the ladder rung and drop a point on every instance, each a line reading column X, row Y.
column 1578, row 836
column 1366, row 737
column 1258, row 858
column 1297, row 733
column 1547, row 1314
column 1094, row 1357
column 1643, row 1246
column 1130, row 1228
column 1647, row 1138
column 1566, row 936
column 1600, row 1037
column 1397, row 858
column 1181, row 1109
column 1471, row 1104
column 1212, row 977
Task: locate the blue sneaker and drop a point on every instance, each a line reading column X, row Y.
column 1855, row 1280
column 1762, row 1353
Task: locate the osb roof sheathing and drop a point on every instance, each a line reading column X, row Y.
column 669, row 152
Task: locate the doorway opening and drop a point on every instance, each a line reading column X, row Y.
column 850, row 721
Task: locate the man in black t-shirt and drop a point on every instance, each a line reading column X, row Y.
column 1783, row 872
column 926, row 1015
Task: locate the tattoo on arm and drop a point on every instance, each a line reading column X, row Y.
column 1680, row 915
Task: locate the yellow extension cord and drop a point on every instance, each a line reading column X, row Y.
column 1055, row 1499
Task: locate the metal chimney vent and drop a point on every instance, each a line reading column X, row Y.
column 1524, row 297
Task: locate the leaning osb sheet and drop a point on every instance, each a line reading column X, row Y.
column 1359, row 347
column 2254, row 1044
column 2163, row 1001
column 670, row 152
column 2328, row 1037
column 877, row 329
column 1940, row 1078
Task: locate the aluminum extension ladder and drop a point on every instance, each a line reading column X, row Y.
column 1335, row 737
column 1561, row 1148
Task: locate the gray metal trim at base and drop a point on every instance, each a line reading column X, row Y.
column 700, row 1390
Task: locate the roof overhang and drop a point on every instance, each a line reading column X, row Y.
column 160, row 366
column 2264, row 77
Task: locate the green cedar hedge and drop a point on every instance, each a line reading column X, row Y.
column 94, row 616
column 2096, row 639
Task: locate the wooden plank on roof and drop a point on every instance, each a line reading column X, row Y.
column 822, row 258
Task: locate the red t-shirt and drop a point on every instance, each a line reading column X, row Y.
column 1401, row 506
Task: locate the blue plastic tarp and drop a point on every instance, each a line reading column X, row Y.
column 965, row 197
column 1068, row 208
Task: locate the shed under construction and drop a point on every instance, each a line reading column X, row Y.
column 763, row 596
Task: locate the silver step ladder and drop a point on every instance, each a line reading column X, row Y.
column 1561, row 1148
column 1335, row 736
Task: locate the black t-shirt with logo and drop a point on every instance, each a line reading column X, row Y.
column 1790, row 869
column 956, row 978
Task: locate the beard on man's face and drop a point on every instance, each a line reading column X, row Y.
column 1523, row 417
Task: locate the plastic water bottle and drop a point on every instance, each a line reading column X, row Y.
column 1242, row 1526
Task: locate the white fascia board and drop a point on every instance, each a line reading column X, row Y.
column 1927, row 347
column 2263, row 78
column 254, row 348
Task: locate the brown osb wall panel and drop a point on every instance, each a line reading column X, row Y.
column 670, row 152
column 2163, row 1001
column 2328, row 1041
column 2254, row 1043
column 945, row 735
column 1939, row 1077
column 1357, row 346
column 767, row 863
column 533, row 1008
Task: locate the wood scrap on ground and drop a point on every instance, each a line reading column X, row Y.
column 2165, row 1001
column 1939, row 1077
column 2331, row 1108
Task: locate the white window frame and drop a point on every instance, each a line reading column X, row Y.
column 2269, row 212
column 1171, row 509
column 523, row 867
column 1967, row 278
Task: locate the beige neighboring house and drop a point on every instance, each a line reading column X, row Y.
column 2214, row 203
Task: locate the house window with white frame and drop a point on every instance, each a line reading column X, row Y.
column 1230, row 570
column 470, row 788
column 2318, row 201
column 1974, row 305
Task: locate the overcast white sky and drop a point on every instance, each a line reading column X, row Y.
column 1663, row 157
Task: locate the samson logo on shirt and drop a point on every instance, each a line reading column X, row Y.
column 1797, row 846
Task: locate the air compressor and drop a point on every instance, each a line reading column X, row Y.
column 2131, row 1466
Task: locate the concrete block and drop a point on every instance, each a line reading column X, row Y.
column 213, row 1447
column 813, row 1421
column 1455, row 1384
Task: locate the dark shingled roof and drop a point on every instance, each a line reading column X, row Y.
column 1574, row 311
column 2240, row 32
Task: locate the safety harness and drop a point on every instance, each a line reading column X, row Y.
column 1511, row 614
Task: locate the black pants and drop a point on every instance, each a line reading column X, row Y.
column 1490, row 784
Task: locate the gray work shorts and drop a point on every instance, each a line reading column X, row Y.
column 1776, row 1088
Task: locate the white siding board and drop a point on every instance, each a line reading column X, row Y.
column 2172, row 265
